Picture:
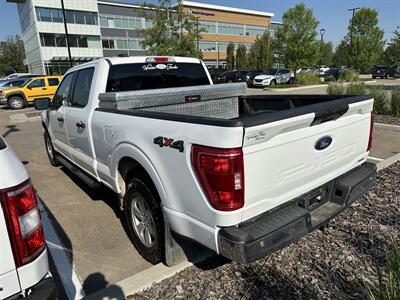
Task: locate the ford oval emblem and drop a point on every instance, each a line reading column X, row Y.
column 323, row 143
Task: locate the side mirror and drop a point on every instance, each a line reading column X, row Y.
column 29, row 87
column 42, row 104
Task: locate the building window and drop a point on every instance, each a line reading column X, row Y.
column 77, row 41
column 233, row 29
column 120, row 43
column 72, row 16
column 209, row 27
column 255, row 30
column 122, row 22
column 208, row 46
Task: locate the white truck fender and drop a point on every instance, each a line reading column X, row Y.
column 131, row 151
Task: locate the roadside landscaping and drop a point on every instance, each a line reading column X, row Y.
column 338, row 263
column 386, row 103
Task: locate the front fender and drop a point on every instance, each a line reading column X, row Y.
column 131, row 151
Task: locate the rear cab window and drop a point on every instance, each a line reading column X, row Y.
column 53, row 81
column 146, row 76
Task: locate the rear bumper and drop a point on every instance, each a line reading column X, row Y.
column 44, row 290
column 285, row 224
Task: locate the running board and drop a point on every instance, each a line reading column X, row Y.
column 89, row 181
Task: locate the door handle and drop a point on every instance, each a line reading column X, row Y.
column 44, row 88
column 80, row 124
column 60, row 119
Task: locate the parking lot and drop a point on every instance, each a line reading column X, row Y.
column 87, row 222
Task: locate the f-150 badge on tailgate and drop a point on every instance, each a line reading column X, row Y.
column 168, row 142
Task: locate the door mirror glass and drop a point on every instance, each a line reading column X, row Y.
column 42, row 104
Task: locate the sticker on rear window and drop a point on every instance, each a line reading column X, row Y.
column 149, row 67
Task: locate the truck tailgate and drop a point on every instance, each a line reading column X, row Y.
column 287, row 158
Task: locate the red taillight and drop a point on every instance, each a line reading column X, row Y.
column 371, row 128
column 221, row 175
column 23, row 220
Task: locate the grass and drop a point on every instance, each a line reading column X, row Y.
column 307, row 79
column 388, row 285
column 380, row 100
column 356, row 88
column 336, row 89
column 395, row 102
column 348, row 75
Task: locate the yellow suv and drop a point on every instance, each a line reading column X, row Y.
column 43, row 87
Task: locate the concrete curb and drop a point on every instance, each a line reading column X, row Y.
column 295, row 88
column 387, row 126
column 142, row 280
column 388, row 162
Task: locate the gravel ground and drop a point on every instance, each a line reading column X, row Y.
column 387, row 119
column 329, row 264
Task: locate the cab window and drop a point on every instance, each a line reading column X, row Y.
column 62, row 96
column 53, row 81
column 37, row 83
column 82, row 88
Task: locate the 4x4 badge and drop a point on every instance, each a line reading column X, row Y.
column 168, row 142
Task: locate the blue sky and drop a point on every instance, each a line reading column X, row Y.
column 332, row 14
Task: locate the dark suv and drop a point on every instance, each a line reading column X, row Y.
column 382, row 72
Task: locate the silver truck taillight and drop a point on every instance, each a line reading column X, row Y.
column 221, row 175
column 23, row 221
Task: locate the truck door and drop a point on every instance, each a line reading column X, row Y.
column 57, row 122
column 52, row 84
column 78, row 127
column 37, row 89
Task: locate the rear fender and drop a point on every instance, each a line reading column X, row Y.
column 129, row 150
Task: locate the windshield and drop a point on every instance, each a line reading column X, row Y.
column 270, row 72
column 17, row 83
column 147, row 76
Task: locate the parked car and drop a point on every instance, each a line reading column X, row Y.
column 7, row 84
column 226, row 77
column 396, row 71
column 274, row 76
column 24, row 267
column 17, row 75
column 214, row 73
column 322, row 69
column 332, row 73
column 382, row 72
column 247, row 76
column 242, row 175
column 305, row 70
column 34, row 88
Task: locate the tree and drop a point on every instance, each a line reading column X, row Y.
column 364, row 39
column 327, row 53
column 12, row 56
column 173, row 32
column 342, row 54
column 241, row 58
column 230, row 56
column 296, row 38
column 391, row 56
column 260, row 57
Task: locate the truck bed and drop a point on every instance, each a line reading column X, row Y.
column 224, row 105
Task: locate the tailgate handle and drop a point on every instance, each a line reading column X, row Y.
column 329, row 115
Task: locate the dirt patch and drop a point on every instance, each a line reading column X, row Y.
column 387, row 119
column 333, row 264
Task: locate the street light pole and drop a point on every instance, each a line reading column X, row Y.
column 322, row 32
column 66, row 34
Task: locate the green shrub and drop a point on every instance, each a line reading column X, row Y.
column 355, row 89
column 395, row 102
column 336, row 89
column 388, row 285
column 348, row 75
column 380, row 100
column 307, row 79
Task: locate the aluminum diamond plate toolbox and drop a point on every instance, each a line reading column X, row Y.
column 170, row 96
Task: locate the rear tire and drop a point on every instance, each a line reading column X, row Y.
column 144, row 218
column 16, row 102
column 291, row 80
column 51, row 154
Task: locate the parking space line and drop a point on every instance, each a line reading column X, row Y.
column 65, row 268
column 375, row 158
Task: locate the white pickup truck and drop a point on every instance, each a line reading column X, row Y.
column 242, row 175
column 24, row 265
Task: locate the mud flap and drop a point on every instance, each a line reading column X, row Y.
column 174, row 253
